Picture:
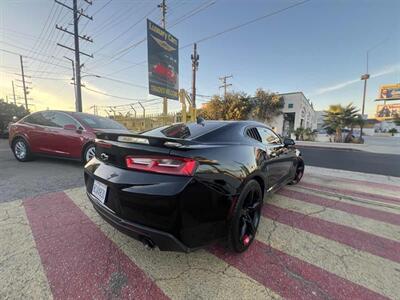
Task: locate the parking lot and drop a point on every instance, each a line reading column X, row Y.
column 335, row 235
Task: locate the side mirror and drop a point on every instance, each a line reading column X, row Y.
column 288, row 142
column 70, row 127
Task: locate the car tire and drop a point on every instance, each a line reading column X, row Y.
column 299, row 172
column 246, row 217
column 89, row 152
column 21, row 150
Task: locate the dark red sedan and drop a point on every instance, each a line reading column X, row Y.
column 58, row 133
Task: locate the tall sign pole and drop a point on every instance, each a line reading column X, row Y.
column 364, row 77
column 163, row 7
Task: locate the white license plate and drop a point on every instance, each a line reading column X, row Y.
column 99, row 190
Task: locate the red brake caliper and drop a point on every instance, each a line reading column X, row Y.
column 246, row 240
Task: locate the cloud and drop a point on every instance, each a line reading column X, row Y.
column 339, row 86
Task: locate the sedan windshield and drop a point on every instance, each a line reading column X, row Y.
column 99, row 122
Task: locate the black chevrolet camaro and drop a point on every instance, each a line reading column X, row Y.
column 184, row 186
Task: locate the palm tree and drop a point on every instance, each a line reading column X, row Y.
column 338, row 117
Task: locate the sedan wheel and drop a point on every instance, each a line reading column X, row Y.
column 21, row 150
column 247, row 217
column 90, row 153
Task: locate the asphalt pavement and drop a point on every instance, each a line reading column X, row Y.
column 43, row 175
column 352, row 160
column 20, row 180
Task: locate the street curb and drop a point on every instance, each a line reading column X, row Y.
column 331, row 148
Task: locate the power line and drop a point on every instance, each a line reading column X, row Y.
column 113, row 96
column 193, row 12
column 247, row 23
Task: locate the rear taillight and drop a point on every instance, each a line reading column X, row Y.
column 164, row 165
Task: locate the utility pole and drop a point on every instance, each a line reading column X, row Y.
column 224, row 84
column 163, row 7
column 77, row 14
column 23, row 82
column 195, row 65
column 15, row 100
column 73, row 79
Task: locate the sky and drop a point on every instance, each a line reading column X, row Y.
column 318, row 47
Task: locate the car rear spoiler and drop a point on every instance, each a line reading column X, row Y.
column 131, row 138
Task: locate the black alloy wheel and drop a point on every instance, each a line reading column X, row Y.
column 247, row 215
column 299, row 172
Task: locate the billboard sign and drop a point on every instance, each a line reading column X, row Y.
column 389, row 92
column 163, row 63
column 387, row 111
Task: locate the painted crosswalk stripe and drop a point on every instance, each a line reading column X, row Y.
column 21, row 272
column 371, row 226
column 79, row 260
column 373, row 204
column 367, row 270
column 370, row 189
column 363, row 183
column 290, row 277
column 197, row 275
column 369, row 196
column 359, row 210
column 355, row 238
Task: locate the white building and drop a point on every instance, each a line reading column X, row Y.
column 297, row 112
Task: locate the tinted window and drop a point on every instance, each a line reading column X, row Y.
column 185, row 131
column 36, row 118
column 56, row 119
column 268, row 137
column 98, row 122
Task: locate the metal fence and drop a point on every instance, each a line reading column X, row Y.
column 148, row 122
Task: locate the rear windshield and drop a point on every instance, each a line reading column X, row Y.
column 184, row 131
column 98, row 122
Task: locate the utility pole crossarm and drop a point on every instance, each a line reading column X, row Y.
column 78, row 12
column 72, row 49
column 86, row 38
column 224, row 84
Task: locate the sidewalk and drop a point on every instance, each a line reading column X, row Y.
column 391, row 148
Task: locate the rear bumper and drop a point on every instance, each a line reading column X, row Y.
column 163, row 240
column 177, row 213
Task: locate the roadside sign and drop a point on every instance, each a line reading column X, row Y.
column 163, row 62
column 387, row 111
column 389, row 92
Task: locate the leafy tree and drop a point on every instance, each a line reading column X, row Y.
column 299, row 133
column 8, row 111
column 213, row 109
column 392, row 131
column 266, row 106
column 236, row 106
column 338, row 117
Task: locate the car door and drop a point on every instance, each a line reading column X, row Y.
column 65, row 142
column 37, row 133
column 279, row 161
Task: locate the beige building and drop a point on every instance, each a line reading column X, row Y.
column 298, row 111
